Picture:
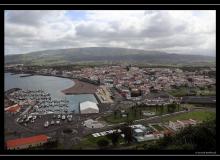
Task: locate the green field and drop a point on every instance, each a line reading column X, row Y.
column 196, row 115
column 90, row 142
column 157, row 127
column 135, row 113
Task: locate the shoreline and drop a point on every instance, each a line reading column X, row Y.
column 80, row 87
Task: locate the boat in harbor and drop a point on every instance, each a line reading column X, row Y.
column 46, row 124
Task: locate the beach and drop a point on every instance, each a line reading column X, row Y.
column 81, row 87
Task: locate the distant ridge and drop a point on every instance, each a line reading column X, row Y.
column 104, row 54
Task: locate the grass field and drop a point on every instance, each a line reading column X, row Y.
column 135, row 114
column 157, row 127
column 196, row 115
column 90, row 142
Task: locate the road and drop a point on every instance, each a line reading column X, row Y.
column 199, row 99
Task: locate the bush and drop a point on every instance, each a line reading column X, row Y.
column 200, row 138
column 67, row 131
column 103, row 143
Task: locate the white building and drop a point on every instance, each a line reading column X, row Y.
column 88, row 107
column 93, row 124
column 181, row 124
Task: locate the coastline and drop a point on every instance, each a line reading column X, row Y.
column 80, row 87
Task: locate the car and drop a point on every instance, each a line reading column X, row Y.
column 18, row 119
column 21, row 121
column 58, row 116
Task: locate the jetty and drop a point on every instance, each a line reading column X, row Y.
column 27, row 75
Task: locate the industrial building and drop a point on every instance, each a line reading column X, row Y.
column 88, row 107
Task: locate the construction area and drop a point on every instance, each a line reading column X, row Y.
column 103, row 95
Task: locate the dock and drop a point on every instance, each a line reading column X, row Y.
column 28, row 75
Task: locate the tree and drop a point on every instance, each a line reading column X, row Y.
column 114, row 138
column 161, row 108
column 171, row 108
column 127, row 131
column 199, row 138
column 115, row 114
column 102, row 143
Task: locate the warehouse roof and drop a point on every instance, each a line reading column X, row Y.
column 88, row 104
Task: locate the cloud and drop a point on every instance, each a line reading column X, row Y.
column 187, row 32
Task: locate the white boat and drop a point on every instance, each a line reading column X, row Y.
column 57, row 122
column 63, row 117
column 50, row 112
column 46, row 124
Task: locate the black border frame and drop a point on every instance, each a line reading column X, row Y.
column 98, row 7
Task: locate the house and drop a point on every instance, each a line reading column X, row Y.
column 142, row 133
column 181, row 124
column 138, row 132
column 90, row 123
column 27, row 142
column 13, row 109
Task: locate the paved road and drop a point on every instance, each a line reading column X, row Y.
column 199, row 99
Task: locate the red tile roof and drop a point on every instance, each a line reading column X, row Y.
column 14, row 108
column 26, row 141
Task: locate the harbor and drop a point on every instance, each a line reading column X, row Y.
column 53, row 86
column 36, row 110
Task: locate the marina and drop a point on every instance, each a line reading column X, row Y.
column 38, row 102
column 52, row 86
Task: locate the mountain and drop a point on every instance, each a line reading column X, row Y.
column 104, row 54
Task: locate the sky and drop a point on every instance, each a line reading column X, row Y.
column 181, row 31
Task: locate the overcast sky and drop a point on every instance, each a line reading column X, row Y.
column 186, row 32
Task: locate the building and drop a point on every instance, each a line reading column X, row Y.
column 88, row 107
column 103, row 95
column 138, row 132
column 13, row 109
column 92, row 124
column 181, row 124
column 142, row 133
column 28, row 142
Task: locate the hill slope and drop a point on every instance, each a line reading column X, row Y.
column 100, row 54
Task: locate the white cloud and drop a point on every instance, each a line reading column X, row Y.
column 187, row 32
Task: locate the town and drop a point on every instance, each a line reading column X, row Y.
column 152, row 101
